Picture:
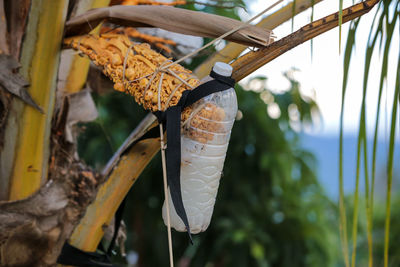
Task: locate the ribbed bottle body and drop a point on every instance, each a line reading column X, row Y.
column 204, row 143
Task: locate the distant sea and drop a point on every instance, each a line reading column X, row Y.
column 326, row 151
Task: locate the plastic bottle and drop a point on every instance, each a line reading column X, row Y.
column 204, row 142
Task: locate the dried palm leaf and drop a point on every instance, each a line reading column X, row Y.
column 171, row 19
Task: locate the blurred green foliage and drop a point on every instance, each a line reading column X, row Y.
column 377, row 233
column 118, row 115
column 270, row 209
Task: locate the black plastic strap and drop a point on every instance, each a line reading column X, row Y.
column 117, row 225
column 225, row 79
column 172, row 118
column 71, row 255
column 173, row 154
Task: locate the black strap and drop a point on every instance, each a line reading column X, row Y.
column 172, row 118
column 71, row 255
column 117, row 225
column 225, row 79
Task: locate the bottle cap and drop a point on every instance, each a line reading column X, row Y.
column 223, row 69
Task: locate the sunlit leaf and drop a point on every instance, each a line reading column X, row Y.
column 342, row 208
column 389, row 170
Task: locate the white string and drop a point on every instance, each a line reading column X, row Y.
column 125, row 60
column 90, row 26
column 225, row 34
column 148, row 85
column 159, row 91
column 179, row 78
column 164, row 168
column 193, row 113
column 172, row 94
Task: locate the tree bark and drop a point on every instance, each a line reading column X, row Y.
column 34, row 150
column 33, row 230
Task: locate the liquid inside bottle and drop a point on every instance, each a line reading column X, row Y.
column 204, row 142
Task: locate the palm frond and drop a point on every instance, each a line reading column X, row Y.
column 342, row 208
column 390, row 164
column 381, row 34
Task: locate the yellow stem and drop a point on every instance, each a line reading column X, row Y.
column 40, row 58
column 99, row 214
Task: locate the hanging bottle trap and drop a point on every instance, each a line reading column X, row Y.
column 204, row 142
column 198, row 116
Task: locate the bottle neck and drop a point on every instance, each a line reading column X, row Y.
column 206, row 79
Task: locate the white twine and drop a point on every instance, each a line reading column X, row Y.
column 125, row 60
column 241, row 26
column 194, row 112
column 148, row 86
column 172, row 94
column 164, row 168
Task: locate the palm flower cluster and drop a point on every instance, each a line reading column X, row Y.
column 138, row 70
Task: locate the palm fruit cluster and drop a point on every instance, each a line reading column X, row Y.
column 140, row 77
column 135, row 69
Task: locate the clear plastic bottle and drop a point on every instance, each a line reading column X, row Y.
column 204, row 141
